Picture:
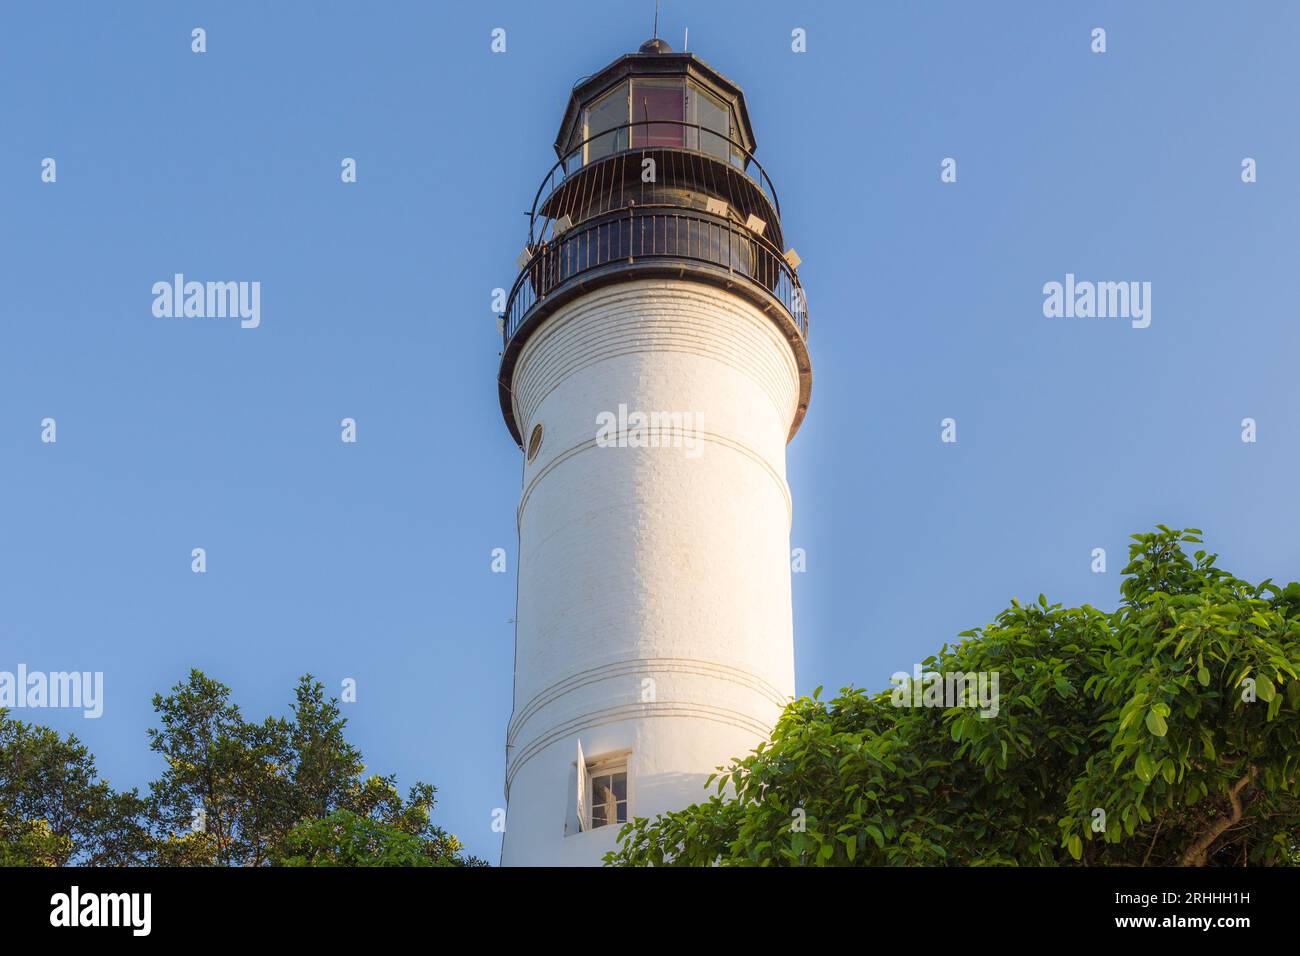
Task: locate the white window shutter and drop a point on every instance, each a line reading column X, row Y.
column 583, row 822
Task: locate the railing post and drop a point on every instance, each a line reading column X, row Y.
column 631, row 232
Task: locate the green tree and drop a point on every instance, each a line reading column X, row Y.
column 30, row 842
column 392, row 834
column 240, row 793
column 376, row 799
column 233, row 793
column 223, row 777
column 1164, row 733
column 345, row 839
column 55, row 809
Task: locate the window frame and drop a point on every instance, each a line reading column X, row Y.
column 588, row 137
column 692, row 91
column 646, row 131
column 611, row 770
column 603, row 765
column 695, row 93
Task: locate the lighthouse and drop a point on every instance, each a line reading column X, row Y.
column 654, row 368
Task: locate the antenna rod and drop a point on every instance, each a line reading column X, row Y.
column 656, row 36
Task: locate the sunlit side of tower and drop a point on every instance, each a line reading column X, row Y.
column 654, row 639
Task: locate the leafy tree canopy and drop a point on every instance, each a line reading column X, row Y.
column 287, row 791
column 1164, row 733
column 55, row 809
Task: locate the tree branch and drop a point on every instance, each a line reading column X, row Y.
column 1198, row 852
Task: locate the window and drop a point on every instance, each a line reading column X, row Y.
column 602, row 792
column 535, row 442
column 609, row 113
column 608, row 796
column 658, row 100
column 707, row 111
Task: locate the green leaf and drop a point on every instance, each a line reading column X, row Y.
column 1203, row 676
column 1156, row 724
column 1145, row 768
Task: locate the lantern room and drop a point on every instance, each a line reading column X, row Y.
column 655, row 176
column 655, row 98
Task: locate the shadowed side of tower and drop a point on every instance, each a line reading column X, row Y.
column 654, row 368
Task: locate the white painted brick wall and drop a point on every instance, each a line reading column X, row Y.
column 647, row 563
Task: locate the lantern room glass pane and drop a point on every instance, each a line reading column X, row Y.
column 607, row 115
column 654, row 100
column 714, row 118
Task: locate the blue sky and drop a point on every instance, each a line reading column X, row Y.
column 371, row 561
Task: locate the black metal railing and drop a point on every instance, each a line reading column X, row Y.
column 663, row 233
column 680, row 145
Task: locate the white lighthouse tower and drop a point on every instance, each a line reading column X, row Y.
column 654, row 368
